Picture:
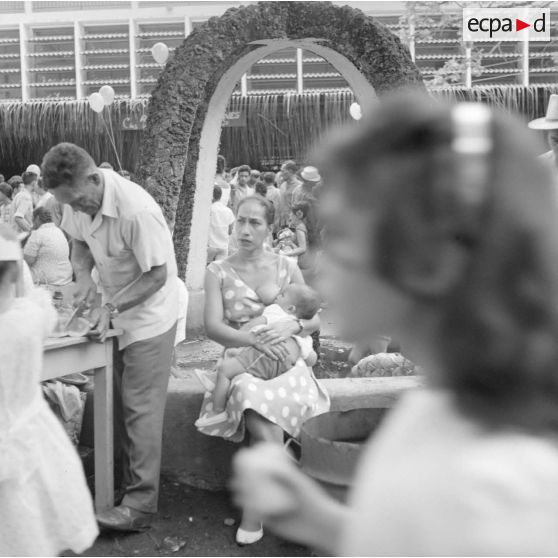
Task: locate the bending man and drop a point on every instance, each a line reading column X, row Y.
column 118, row 227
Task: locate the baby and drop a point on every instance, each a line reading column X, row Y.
column 286, row 240
column 296, row 300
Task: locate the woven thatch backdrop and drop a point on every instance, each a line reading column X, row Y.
column 277, row 126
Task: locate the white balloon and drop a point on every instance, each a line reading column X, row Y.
column 107, row 93
column 355, row 111
column 96, row 102
column 160, row 53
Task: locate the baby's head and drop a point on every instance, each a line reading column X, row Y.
column 300, row 301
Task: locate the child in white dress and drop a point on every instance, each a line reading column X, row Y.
column 45, row 505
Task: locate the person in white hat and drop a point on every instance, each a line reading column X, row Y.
column 549, row 122
column 35, row 169
column 304, row 192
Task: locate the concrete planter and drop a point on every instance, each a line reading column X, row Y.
column 202, row 461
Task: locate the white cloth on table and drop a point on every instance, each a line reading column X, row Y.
column 432, row 482
column 45, row 505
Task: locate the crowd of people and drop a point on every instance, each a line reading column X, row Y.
column 434, row 224
column 293, row 194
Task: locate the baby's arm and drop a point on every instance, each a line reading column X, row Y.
column 260, row 320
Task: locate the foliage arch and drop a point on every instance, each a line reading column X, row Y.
column 179, row 102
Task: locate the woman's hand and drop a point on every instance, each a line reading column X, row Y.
column 278, row 332
column 267, row 484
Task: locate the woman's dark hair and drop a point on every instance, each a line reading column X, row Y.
column 261, row 189
column 303, row 207
column 221, row 162
column 43, row 214
column 269, row 210
column 490, row 267
column 291, row 166
column 269, row 178
column 15, row 181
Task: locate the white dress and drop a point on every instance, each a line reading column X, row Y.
column 434, row 483
column 45, row 505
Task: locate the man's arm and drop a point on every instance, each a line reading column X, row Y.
column 23, row 223
column 82, row 259
column 146, row 285
column 141, row 289
column 21, row 208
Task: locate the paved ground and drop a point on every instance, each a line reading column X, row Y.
column 191, row 522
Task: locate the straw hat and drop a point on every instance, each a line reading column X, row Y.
column 311, row 174
column 550, row 121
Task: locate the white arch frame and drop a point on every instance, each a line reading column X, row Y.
column 209, row 145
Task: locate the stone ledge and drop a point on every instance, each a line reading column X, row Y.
column 198, row 460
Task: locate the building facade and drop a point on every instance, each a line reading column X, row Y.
column 64, row 50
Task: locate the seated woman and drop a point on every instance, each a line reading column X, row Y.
column 237, row 289
column 47, row 251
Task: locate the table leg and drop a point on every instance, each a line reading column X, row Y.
column 104, row 433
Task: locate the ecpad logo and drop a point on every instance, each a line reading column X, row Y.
column 506, row 24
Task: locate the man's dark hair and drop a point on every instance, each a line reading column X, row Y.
column 28, row 177
column 64, row 164
column 15, row 181
column 217, row 193
column 261, row 188
column 43, row 214
column 290, row 166
column 6, row 189
column 269, row 178
column 244, row 168
column 221, row 162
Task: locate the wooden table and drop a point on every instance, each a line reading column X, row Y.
column 68, row 355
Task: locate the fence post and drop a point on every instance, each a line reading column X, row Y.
column 468, row 64
column 525, row 63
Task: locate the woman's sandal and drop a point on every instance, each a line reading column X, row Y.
column 245, row 538
column 206, row 421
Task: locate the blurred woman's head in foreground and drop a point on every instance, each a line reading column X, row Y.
column 441, row 229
